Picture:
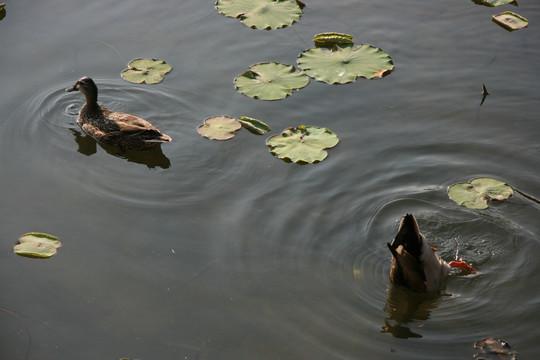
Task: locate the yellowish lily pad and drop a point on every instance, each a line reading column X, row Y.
column 149, row 71
column 37, row 245
column 510, row 20
column 476, row 193
column 219, row 127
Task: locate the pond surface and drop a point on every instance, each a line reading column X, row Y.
column 218, row 250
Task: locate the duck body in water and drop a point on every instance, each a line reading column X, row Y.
column 415, row 264
column 126, row 131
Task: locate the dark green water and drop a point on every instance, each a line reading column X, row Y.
column 218, row 250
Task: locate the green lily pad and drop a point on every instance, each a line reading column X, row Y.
column 150, row 71
column 303, row 144
column 2, row 11
column 219, row 127
column 255, row 126
column 476, row 193
column 332, row 39
column 510, row 21
column 345, row 64
column 270, row 81
column 37, row 245
column 261, row 14
column 493, row 3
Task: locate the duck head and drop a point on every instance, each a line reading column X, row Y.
column 87, row 86
column 414, row 263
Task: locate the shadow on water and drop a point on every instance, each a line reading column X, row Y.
column 151, row 158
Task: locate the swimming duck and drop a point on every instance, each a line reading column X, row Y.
column 126, row 131
column 414, row 262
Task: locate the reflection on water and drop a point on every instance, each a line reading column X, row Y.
column 151, row 158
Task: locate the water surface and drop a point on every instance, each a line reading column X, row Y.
column 218, row 250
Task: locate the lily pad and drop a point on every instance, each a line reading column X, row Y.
column 2, row 11
column 219, row 127
column 270, row 81
column 303, row 144
column 37, row 245
column 150, row 71
column 255, row 126
column 476, row 193
column 331, row 39
column 510, row 21
column 345, row 64
column 493, row 3
column 261, row 14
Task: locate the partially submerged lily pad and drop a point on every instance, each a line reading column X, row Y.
column 37, row 245
column 303, row 144
column 494, row 349
column 510, row 21
column 270, row 81
column 255, row 126
column 343, row 65
column 150, row 71
column 219, row 127
column 476, row 193
column 261, row 14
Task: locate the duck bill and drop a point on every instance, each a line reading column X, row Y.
column 73, row 88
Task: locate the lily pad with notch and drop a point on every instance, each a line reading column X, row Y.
column 270, row 81
column 149, row 71
column 219, row 128
column 340, row 62
column 303, row 144
column 37, row 245
column 476, row 193
column 261, row 14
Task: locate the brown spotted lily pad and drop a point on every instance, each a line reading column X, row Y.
column 510, row 20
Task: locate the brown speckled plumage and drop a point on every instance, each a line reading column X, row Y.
column 126, row 131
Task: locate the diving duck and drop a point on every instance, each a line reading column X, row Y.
column 126, row 131
column 414, row 262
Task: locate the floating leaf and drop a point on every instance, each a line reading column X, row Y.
column 331, row 39
column 219, row 127
column 2, row 11
column 261, row 14
column 491, row 348
column 345, row 64
column 510, row 21
column 37, row 245
column 304, row 144
column 150, row 71
column 270, row 81
column 253, row 125
column 476, row 193
column 493, row 3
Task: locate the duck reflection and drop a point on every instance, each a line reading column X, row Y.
column 405, row 307
column 152, row 158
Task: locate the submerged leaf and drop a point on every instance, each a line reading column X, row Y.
column 150, row 71
column 345, row 64
column 496, row 349
column 261, row 14
column 303, row 144
column 37, row 245
column 219, row 127
column 476, row 193
column 253, row 125
column 510, row 21
column 270, row 81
